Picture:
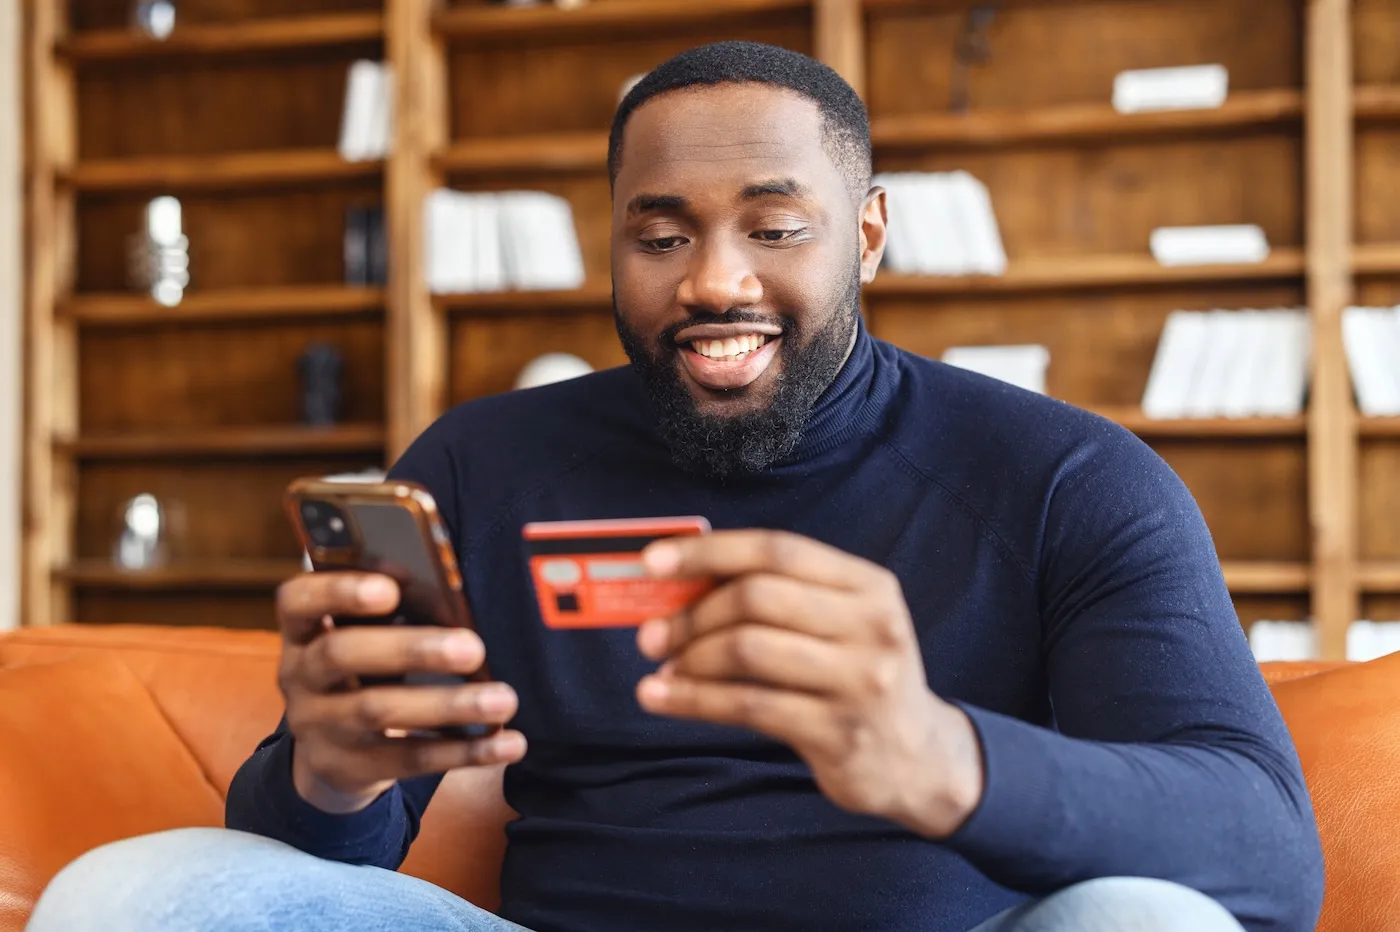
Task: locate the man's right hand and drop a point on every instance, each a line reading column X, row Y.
column 342, row 758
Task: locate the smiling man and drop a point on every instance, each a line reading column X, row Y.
column 969, row 661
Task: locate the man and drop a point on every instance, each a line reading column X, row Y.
column 970, row 662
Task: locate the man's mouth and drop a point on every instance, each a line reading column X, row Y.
column 724, row 357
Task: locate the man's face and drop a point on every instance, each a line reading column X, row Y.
column 738, row 250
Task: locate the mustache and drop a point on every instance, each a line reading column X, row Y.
column 733, row 316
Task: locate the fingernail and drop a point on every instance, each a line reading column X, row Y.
column 509, row 744
column 375, row 589
column 652, row 638
column 496, row 699
column 653, row 691
column 662, row 559
column 459, row 648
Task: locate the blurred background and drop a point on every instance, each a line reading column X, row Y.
column 275, row 238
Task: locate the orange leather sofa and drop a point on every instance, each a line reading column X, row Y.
column 111, row 732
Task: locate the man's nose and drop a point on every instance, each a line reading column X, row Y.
column 719, row 279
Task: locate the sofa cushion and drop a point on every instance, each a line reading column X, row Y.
column 89, row 759
column 1346, row 725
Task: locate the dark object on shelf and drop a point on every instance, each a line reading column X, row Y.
column 972, row 47
column 366, row 246
column 320, row 369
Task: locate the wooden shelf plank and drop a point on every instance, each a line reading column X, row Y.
column 1380, row 577
column 1376, row 101
column 1375, row 258
column 228, row 441
column 1072, row 272
column 543, row 153
column 1244, row 577
column 1081, row 121
column 119, row 309
column 1133, row 419
column 218, row 172
column 232, row 573
column 281, row 34
column 1380, row 426
column 480, row 22
column 593, row 296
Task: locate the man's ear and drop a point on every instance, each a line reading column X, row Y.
column 873, row 219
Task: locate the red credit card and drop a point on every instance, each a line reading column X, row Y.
column 589, row 574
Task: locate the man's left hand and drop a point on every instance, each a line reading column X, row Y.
column 814, row 647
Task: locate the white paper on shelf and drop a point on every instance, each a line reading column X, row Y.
column 358, row 115
column 977, row 223
column 1282, row 640
column 1181, row 352
column 1023, row 365
column 1183, row 88
column 1227, row 244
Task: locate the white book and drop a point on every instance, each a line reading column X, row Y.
column 1180, row 350
column 948, row 253
column 1391, row 327
column 1237, row 394
column 904, row 213
column 1298, row 361
column 490, row 264
column 894, row 258
column 1282, row 640
column 1227, row 244
column 1022, row 365
column 978, row 223
column 1270, row 377
column 357, row 117
column 1222, row 348
column 1190, row 87
column 379, row 139
column 1367, row 333
column 437, row 221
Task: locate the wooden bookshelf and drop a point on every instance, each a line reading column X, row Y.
column 126, row 310
column 220, row 172
column 274, row 35
column 238, row 111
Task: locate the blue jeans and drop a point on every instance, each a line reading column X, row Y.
column 213, row 880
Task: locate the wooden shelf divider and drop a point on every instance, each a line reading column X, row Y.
column 228, row 441
column 265, row 35
column 1074, row 122
column 219, row 172
column 485, row 23
column 208, row 574
column 120, row 309
column 1247, row 577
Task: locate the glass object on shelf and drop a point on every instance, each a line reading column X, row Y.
column 320, row 368
column 159, row 259
column 142, row 541
column 156, row 18
column 551, row 367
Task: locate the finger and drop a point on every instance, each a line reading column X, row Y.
column 404, row 758
column 383, row 650
column 770, row 657
column 365, row 715
column 734, row 553
column 762, row 598
column 306, row 599
column 804, row 722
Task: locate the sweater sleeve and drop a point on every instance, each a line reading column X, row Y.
column 262, row 798
column 1167, row 756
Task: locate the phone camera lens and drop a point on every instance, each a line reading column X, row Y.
column 326, row 525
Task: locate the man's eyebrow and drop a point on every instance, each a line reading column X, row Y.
column 785, row 187
column 645, row 203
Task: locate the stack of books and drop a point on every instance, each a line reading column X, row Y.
column 367, row 119
column 1296, row 640
column 1022, row 365
column 1371, row 336
column 498, row 241
column 941, row 223
column 1231, row 364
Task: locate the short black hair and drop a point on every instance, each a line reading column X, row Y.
column 845, row 123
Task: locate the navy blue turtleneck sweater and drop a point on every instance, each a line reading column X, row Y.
column 1066, row 593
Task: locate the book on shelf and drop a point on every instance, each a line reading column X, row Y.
column 1190, row 87
column 941, row 223
column 1297, row 640
column 1227, row 244
column 1021, row 365
column 367, row 119
column 366, row 247
column 1230, row 364
column 1371, row 339
column 497, row 241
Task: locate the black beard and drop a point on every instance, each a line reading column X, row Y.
column 720, row 446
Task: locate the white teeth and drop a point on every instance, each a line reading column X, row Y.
column 731, row 347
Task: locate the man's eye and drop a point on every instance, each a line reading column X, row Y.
column 664, row 243
column 775, row 236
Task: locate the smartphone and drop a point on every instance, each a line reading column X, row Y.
column 392, row 528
